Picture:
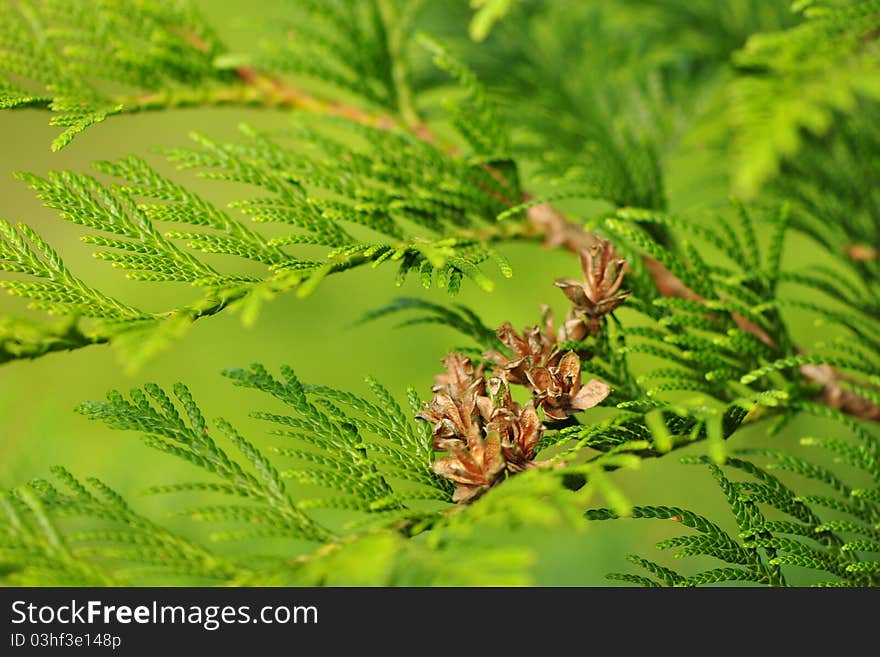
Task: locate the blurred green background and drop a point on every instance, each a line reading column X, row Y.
column 39, row 427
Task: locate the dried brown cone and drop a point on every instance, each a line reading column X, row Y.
column 458, row 403
column 534, row 348
column 572, row 329
column 537, row 346
column 461, row 377
column 599, row 293
column 520, row 431
column 474, row 468
column 520, row 428
column 487, row 433
column 559, row 392
column 451, row 419
column 511, row 439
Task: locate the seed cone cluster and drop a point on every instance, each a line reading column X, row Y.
column 484, row 431
column 486, row 434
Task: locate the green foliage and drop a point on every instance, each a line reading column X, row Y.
column 579, row 144
column 797, row 80
column 423, row 210
column 357, row 47
column 829, row 184
column 34, row 551
column 734, row 332
column 765, row 549
column 350, row 473
column 461, row 318
column 545, row 102
column 601, row 92
column 87, row 60
column 365, row 195
column 328, row 447
column 486, row 14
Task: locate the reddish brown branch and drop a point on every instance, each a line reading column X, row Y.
column 275, row 92
column 862, row 253
column 558, row 231
column 668, row 284
column 836, row 396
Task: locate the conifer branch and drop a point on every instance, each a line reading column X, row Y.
column 20, row 339
column 252, row 88
column 558, row 231
column 701, row 349
column 265, row 90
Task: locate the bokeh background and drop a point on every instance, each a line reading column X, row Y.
column 38, row 425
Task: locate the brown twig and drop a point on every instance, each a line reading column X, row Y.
column 862, row 252
column 277, row 93
column 834, row 395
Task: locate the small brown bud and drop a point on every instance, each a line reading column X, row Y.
column 862, row 252
column 599, row 293
column 558, row 389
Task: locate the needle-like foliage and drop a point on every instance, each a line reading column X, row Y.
column 428, row 139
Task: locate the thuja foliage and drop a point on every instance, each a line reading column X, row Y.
column 683, row 327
